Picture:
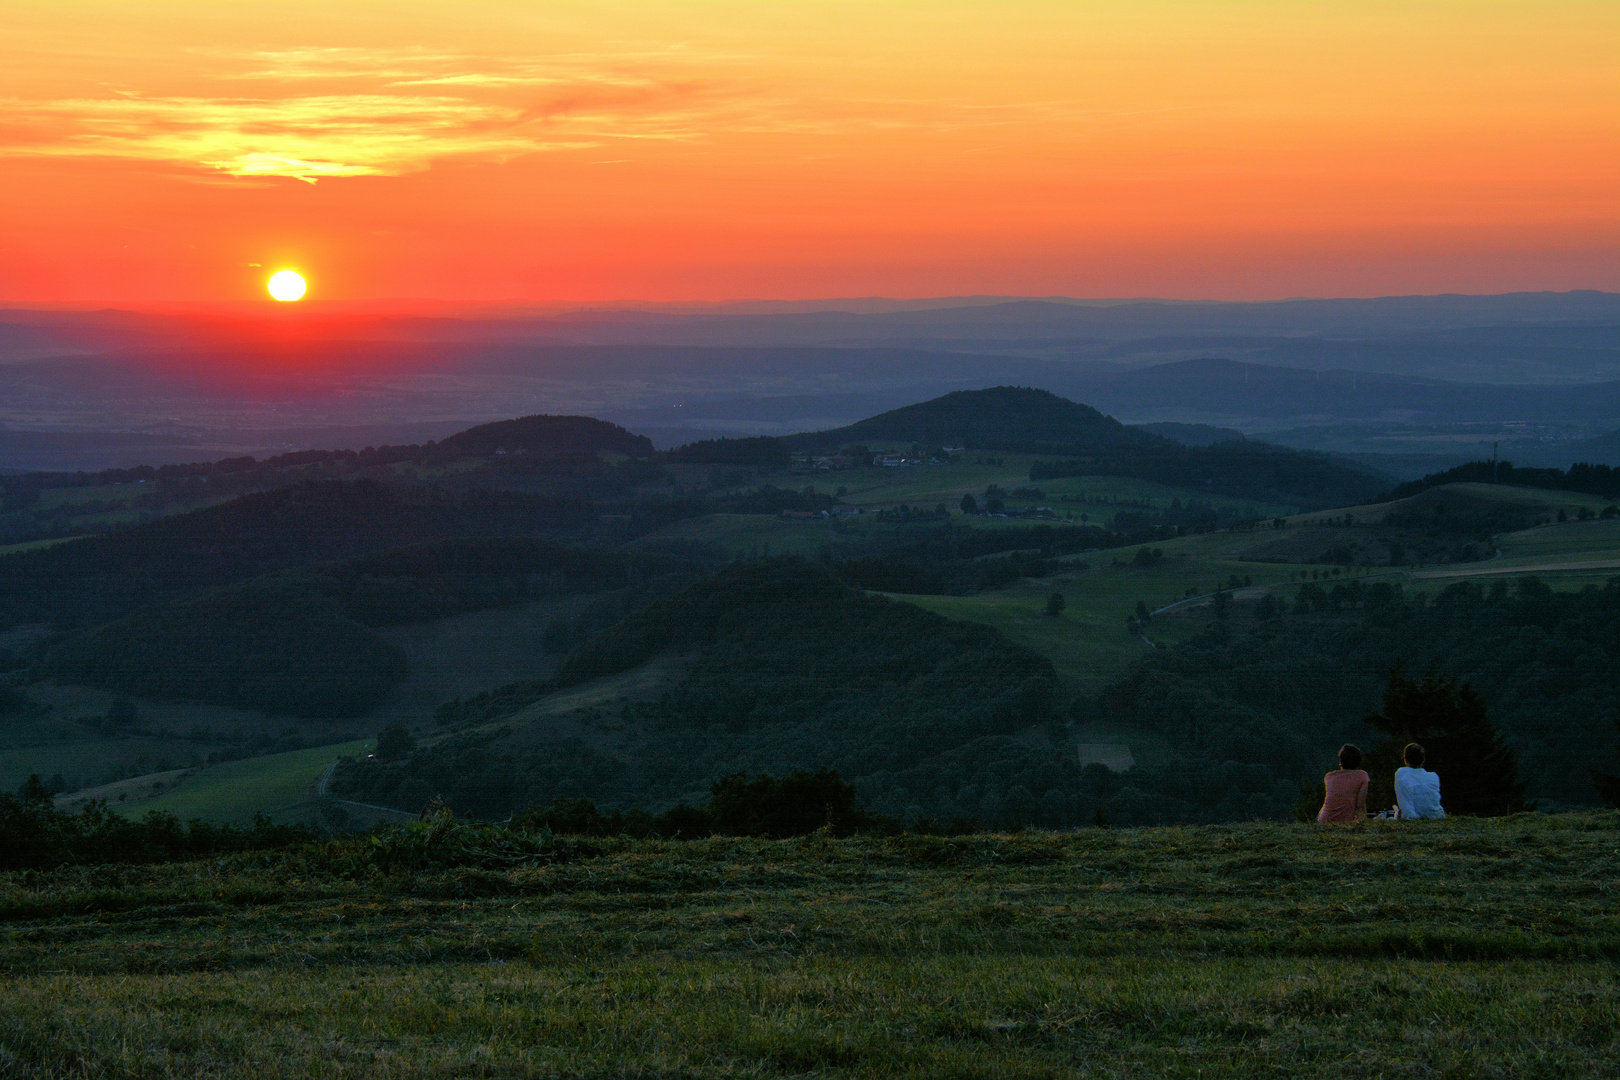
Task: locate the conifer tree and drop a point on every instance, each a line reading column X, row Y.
column 1608, row 784
column 1479, row 774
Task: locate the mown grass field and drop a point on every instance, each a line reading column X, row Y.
column 1463, row 948
column 278, row 785
column 1088, row 642
column 1568, row 540
column 926, row 486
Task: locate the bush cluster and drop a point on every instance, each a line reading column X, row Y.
column 34, row 835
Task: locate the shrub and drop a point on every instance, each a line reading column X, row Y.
column 35, row 835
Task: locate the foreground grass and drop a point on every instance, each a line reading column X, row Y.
column 1455, row 949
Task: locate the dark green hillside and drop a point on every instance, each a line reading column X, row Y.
column 1588, row 479
column 780, row 666
column 274, row 649
column 759, row 616
column 763, row 452
column 1286, row 690
column 555, row 454
column 1087, row 443
column 1192, row 434
column 1455, row 511
column 546, row 435
column 1001, row 418
column 1245, row 470
column 115, row 575
column 299, row 644
column 446, row 577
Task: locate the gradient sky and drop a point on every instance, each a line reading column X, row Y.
column 557, row 151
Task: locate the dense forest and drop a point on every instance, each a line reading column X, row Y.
column 780, row 665
column 1282, row 686
column 1587, row 479
column 784, row 666
column 300, row 643
column 106, row 577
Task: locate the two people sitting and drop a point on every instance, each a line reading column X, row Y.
column 1417, row 790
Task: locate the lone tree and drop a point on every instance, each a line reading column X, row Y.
column 1055, row 605
column 970, row 505
column 1479, row 775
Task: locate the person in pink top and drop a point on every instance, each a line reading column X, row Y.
column 1346, row 789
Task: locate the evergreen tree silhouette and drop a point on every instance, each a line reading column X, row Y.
column 1479, row 775
column 1608, row 784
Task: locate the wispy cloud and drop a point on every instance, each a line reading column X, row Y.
column 380, row 112
column 308, row 138
column 365, row 112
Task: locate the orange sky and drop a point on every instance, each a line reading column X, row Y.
column 556, row 151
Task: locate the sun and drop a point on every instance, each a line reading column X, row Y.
column 287, row 285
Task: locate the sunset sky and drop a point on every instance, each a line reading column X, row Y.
column 557, row 151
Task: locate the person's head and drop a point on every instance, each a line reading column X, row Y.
column 1349, row 756
column 1413, row 756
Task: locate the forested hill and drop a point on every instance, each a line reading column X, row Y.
column 768, row 610
column 1281, row 686
column 1001, row 418
column 1084, row 442
column 1588, row 479
column 551, row 435
column 300, row 643
column 781, row 666
column 106, row 577
column 547, row 435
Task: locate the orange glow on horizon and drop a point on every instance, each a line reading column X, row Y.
column 633, row 150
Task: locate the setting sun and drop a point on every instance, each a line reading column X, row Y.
column 287, row 285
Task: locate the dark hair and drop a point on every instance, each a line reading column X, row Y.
column 1413, row 755
column 1349, row 756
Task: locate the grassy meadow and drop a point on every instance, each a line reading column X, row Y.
column 1464, row 948
column 281, row 786
column 926, row 486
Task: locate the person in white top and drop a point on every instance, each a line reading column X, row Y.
column 1417, row 790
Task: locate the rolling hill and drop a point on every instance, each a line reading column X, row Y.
column 768, row 666
column 1001, row 418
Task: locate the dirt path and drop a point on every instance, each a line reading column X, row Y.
column 320, row 793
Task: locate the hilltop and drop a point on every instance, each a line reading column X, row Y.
column 546, row 435
column 1087, row 443
column 1001, row 418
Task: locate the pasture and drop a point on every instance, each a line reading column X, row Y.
column 1456, row 948
column 281, row 786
